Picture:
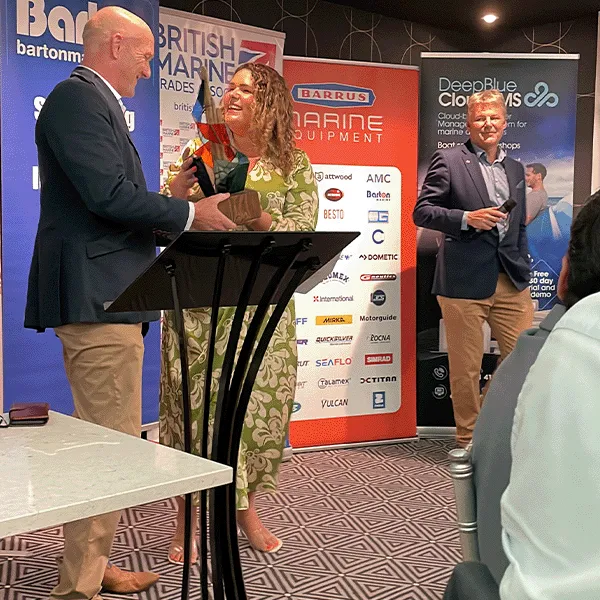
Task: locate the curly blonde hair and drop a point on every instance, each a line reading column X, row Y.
column 273, row 128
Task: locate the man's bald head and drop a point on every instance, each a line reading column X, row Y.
column 108, row 21
column 119, row 46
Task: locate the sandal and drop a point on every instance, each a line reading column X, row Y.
column 176, row 549
column 252, row 540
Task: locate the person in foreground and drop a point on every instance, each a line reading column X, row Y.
column 550, row 525
column 257, row 109
column 95, row 234
column 482, row 271
column 552, row 459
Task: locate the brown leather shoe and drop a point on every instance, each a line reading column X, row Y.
column 126, row 582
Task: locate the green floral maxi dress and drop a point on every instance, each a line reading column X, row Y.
column 293, row 204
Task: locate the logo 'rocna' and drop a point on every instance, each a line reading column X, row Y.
column 333, row 95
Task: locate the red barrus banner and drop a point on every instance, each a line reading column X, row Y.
column 358, row 123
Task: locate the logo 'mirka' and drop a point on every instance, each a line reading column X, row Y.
column 33, row 21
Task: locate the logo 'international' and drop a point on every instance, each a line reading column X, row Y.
column 379, row 359
column 257, row 52
column 378, row 277
column 333, row 95
column 334, row 320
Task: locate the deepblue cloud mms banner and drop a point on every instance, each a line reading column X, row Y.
column 42, row 45
column 541, row 97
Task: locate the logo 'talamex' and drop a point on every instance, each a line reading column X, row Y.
column 333, row 95
column 334, row 320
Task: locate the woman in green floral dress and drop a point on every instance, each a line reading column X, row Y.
column 258, row 110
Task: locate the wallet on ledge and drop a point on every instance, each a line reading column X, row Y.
column 29, row 413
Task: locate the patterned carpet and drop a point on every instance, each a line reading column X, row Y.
column 373, row 523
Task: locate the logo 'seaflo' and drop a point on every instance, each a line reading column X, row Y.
column 542, row 96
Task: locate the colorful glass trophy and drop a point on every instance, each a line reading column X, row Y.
column 219, row 166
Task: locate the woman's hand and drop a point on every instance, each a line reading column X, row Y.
column 182, row 183
column 263, row 223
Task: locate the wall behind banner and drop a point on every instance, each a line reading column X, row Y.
column 356, row 377
column 38, row 53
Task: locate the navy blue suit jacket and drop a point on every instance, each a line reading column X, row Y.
column 468, row 263
column 95, row 232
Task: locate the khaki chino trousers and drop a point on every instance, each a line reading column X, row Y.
column 508, row 312
column 103, row 363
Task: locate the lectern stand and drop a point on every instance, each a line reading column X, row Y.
column 213, row 269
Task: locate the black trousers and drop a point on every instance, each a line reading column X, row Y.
column 471, row 581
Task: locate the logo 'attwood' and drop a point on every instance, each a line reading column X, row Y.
column 334, row 320
column 337, row 95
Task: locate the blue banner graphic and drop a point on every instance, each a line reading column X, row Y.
column 541, row 97
column 42, row 45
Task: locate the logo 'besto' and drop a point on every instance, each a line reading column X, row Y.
column 334, row 194
column 333, row 95
column 62, row 24
column 257, row 52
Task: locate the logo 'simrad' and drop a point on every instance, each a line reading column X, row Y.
column 333, row 95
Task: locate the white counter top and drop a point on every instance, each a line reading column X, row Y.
column 69, row 469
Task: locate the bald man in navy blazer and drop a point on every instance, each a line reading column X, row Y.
column 483, row 265
column 95, row 235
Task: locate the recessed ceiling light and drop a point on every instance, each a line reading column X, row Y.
column 490, row 18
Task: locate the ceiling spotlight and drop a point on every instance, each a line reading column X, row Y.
column 490, row 18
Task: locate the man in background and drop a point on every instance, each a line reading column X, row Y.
column 95, row 235
column 482, row 269
column 537, row 199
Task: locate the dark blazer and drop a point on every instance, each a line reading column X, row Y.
column 95, row 233
column 468, row 263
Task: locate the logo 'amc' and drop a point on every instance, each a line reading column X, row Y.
column 338, row 95
column 334, row 320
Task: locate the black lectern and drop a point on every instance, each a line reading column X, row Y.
column 213, row 269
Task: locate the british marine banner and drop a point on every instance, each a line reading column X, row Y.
column 188, row 42
column 356, row 329
column 42, row 44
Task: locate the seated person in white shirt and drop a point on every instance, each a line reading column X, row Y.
column 551, row 507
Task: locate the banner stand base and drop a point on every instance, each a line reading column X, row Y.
column 436, row 432
column 356, row 445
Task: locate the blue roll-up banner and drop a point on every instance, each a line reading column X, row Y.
column 42, row 45
column 541, row 97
